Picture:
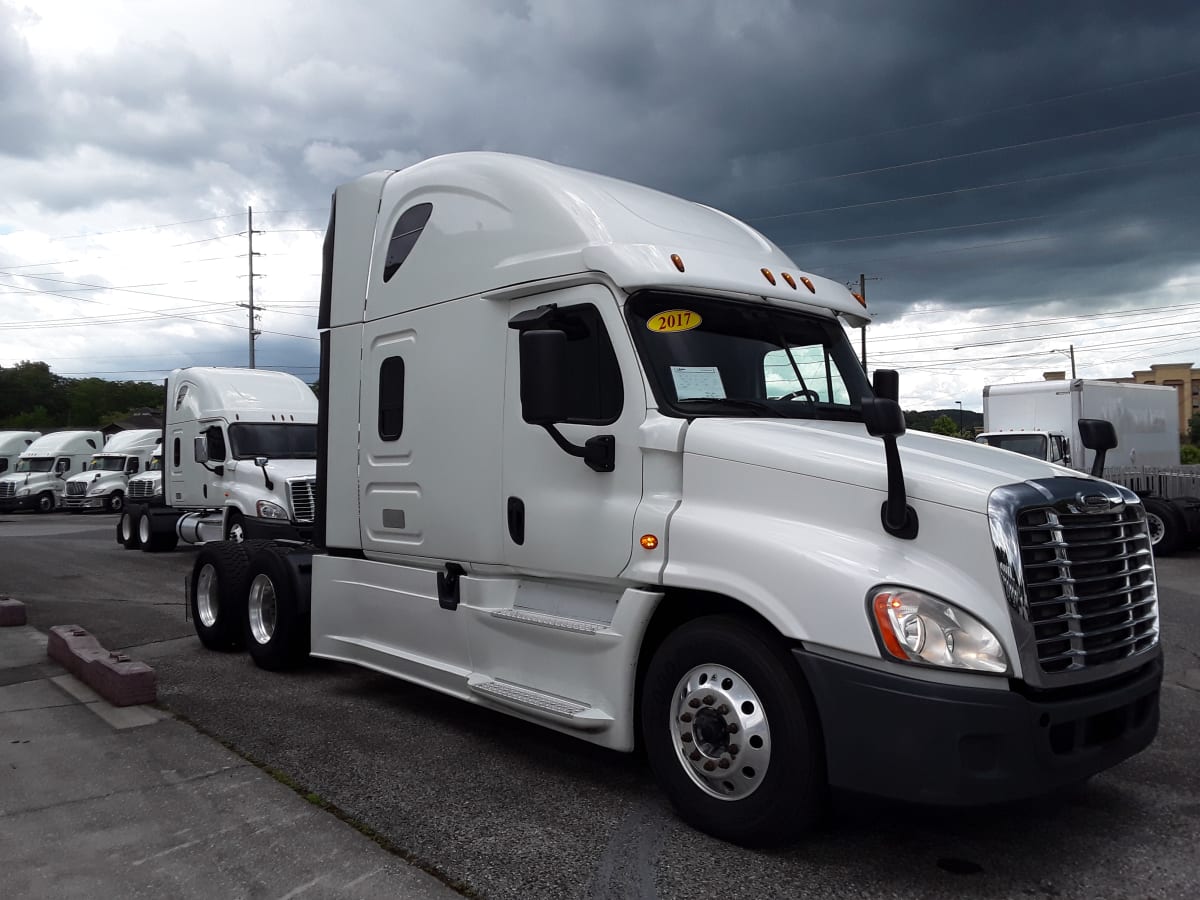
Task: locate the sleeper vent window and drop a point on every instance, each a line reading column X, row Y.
column 391, row 398
column 404, row 237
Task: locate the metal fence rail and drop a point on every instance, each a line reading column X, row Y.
column 1161, row 481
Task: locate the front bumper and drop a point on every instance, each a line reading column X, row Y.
column 948, row 745
column 276, row 530
column 83, row 502
column 10, row 504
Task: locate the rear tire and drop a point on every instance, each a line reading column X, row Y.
column 277, row 629
column 1166, row 526
column 732, row 733
column 127, row 530
column 219, row 584
column 152, row 541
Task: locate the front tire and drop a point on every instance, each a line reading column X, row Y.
column 1166, row 526
column 732, row 733
column 220, row 582
column 115, row 502
column 45, row 502
column 277, row 627
column 235, row 527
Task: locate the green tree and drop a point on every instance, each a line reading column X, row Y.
column 1189, row 455
column 945, row 425
column 1194, row 430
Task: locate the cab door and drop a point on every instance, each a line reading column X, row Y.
column 563, row 518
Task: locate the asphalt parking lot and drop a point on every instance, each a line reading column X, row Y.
column 501, row 809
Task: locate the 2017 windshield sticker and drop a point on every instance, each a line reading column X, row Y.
column 698, row 383
column 671, row 320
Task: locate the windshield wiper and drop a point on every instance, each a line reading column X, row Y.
column 722, row 403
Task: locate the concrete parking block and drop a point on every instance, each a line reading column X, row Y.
column 12, row 612
column 114, row 676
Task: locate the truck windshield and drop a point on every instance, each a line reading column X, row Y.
column 1026, row 444
column 710, row 357
column 35, row 465
column 155, row 464
column 272, row 440
column 109, row 463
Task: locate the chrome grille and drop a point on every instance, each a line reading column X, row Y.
column 76, row 488
column 1089, row 584
column 302, row 495
column 7, row 489
column 140, row 490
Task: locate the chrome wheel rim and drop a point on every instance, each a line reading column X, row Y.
column 263, row 608
column 237, row 533
column 1154, row 524
column 720, row 732
column 116, row 503
column 208, row 601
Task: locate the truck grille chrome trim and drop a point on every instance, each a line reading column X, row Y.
column 1079, row 577
column 7, row 489
column 139, row 490
column 76, row 489
column 302, row 495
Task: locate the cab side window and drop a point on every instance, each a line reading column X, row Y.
column 63, row 465
column 214, row 439
column 132, row 465
column 391, row 398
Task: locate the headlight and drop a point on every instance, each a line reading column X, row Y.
column 98, row 490
column 23, row 492
column 268, row 510
column 915, row 627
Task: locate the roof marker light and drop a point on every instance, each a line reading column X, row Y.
column 812, row 289
column 767, row 275
column 860, row 298
column 789, row 279
column 675, row 258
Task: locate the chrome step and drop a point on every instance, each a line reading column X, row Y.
column 580, row 715
column 547, row 620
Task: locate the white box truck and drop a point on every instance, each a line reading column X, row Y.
column 12, row 445
column 1041, row 419
column 604, row 460
column 240, row 452
column 105, row 482
column 37, row 481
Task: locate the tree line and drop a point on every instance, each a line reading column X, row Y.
column 34, row 398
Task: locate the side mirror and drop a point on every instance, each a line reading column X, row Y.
column 1098, row 435
column 200, row 449
column 883, row 416
column 886, row 384
column 543, row 376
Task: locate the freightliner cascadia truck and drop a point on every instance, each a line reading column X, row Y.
column 603, row 459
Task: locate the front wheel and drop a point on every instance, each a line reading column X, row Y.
column 45, row 502
column 277, row 626
column 115, row 502
column 1165, row 524
column 235, row 527
column 732, row 733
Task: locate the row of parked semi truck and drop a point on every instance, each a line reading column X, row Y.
column 236, row 457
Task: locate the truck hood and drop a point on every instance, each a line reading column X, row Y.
column 89, row 477
column 938, row 469
column 279, row 469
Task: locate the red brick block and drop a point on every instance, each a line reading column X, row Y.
column 12, row 612
column 115, row 677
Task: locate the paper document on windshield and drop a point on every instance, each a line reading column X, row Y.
column 698, row 383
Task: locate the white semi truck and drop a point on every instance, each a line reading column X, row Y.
column 12, row 445
column 239, row 451
column 37, row 481
column 104, row 484
column 146, row 487
column 1041, row 419
column 604, row 460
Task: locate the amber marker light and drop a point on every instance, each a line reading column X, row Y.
column 807, row 282
column 678, row 260
column 881, row 606
column 789, row 279
column 649, row 541
column 860, row 298
column 767, row 275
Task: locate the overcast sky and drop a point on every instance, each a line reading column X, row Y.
column 1019, row 177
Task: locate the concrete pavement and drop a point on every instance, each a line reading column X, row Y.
column 97, row 800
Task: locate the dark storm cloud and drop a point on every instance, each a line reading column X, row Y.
column 817, row 121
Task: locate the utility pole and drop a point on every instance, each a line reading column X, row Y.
column 250, row 232
column 862, row 292
column 1072, row 346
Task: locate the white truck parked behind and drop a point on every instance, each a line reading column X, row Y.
column 12, row 445
column 604, row 460
column 37, row 480
column 146, row 487
column 240, row 449
column 105, row 482
column 1041, row 419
